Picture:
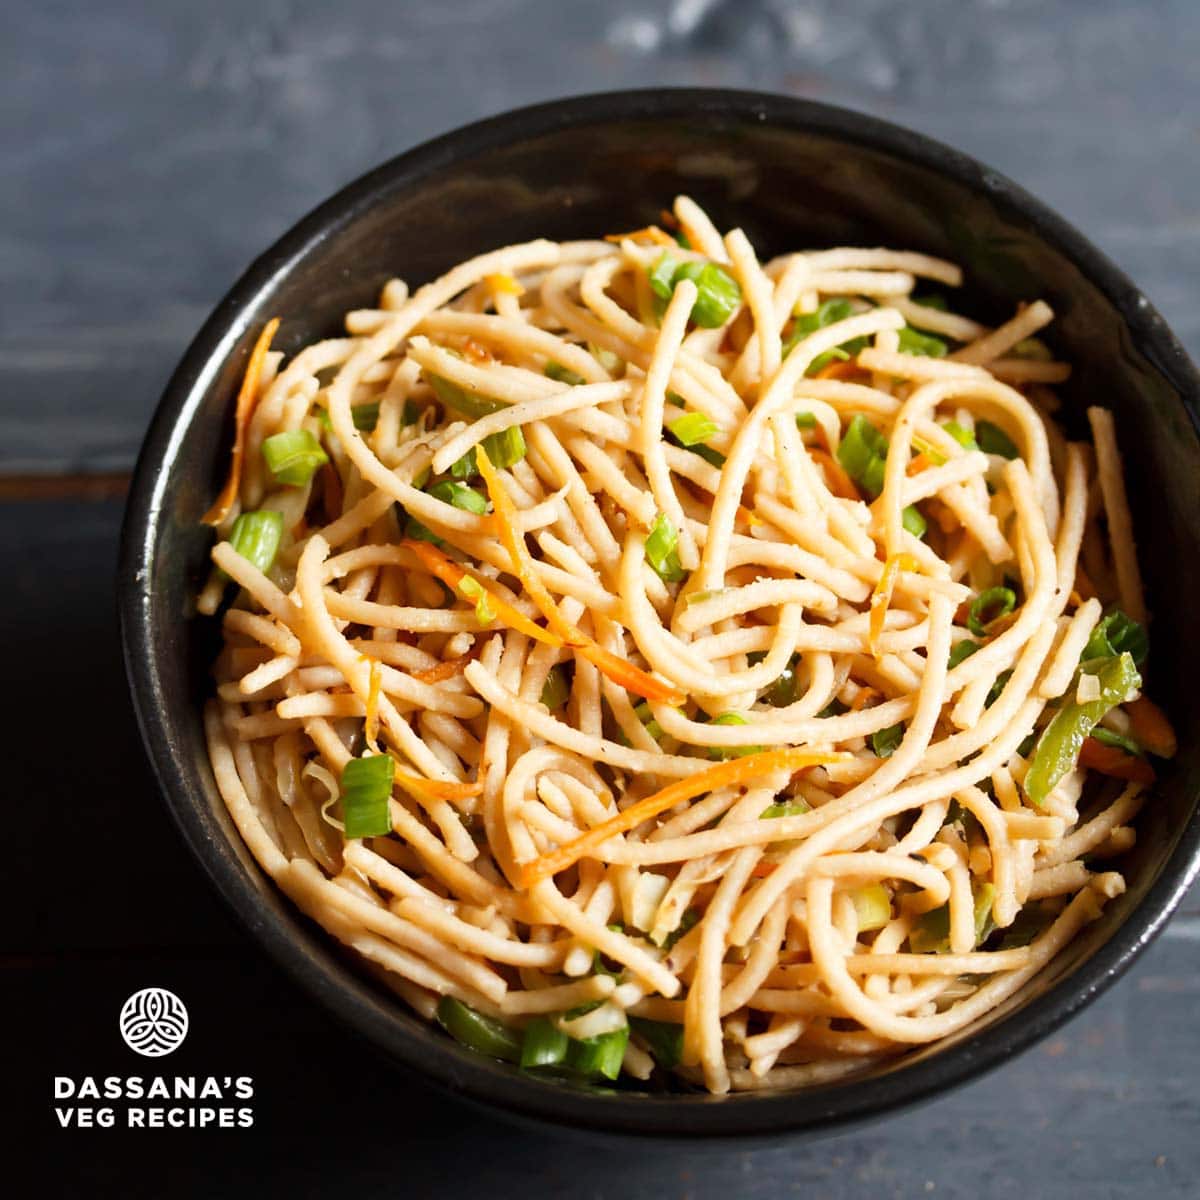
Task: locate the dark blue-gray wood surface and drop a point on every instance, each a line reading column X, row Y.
column 149, row 151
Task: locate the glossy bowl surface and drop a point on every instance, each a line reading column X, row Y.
column 792, row 174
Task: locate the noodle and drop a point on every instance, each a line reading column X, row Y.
column 719, row 627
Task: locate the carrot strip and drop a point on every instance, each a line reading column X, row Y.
column 620, row 671
column 839, row 483
column 1151, row 728
column 840, row 369
column 648, row 233
column 1115, row 762
column 881, row 597
column 918, row 464
column 442, row 789
column 452, row 575
column 371, row 727
column 503, row 285
column 723, row 774
column 444, row 670
column 247, row 398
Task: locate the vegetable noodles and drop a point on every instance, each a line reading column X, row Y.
column 658, row 663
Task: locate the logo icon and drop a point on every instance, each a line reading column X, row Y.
column 154, row 1022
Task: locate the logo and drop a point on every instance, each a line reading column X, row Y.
column 154, row 1022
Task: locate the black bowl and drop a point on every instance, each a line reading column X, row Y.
column 793, row 174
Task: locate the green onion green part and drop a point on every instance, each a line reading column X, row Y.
column 477, row 1031
column 785, row 808
column 556, row 689
column 544, row 1044
column 1117, row 634
column 923, row 345
column 885, row 741
column 460, row 496
column 664, row 1039
column 723, row 752
column 693, row 428
column 989, row 606
column 561, row 374
column 661, row 550
column 993, row 440
column 256, row 536
column 960, row 652
column 1058, row 747
column 366, row 790
column 293, row 456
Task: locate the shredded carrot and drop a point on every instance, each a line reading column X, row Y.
column 442, row 789
column 444, row 670
column 839, row 369
column 620, row 671
column 452, row 575
column 476, row 351
column 648, row 233
column 863, row 697
column 371, row 727
column 247, row 398
column 724, row 774
column 503, row 285
column 839, row 483
column 881, row 597
column 1114, row 762
column 918, row 464
column 748, row 516
column 1151, row 728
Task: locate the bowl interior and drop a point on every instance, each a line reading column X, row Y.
column 792, row 175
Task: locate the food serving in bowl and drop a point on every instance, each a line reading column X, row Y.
column 658, row 662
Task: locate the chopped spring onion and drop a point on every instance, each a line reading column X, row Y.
column 664, row 1038
column 364, row 416
column 960, row 652
column 928, row 449
column 1058, row 747
column 470, row 404
column 459, row 495
column 964, row 437
column 723, row 752
column 478, row 1032
column 561, row 374
column 931, row 932
column 717, row 292
column 662, row 550
column 782, row 692
column 293, row 456
column 646, row 716
column 544, row 1044
column 862, row 453
column 806, row 420
column 922, row 345
column 786, row 808
column 687, row 922
column 993, row 440
column 872, row 906
column 556, row 689
column 885, row 741
column 256, row 535
column 485, row 614
column 600, row 1056
column 1117, row 634
column 996, row 688
column 693, row 428
column 505, row 448
column 608, row 359
column 421, row 532
column 832, row 311
column 1106, row 737
column 989, row 606
column 366, row 790
column 676, row 400
column 913, row 521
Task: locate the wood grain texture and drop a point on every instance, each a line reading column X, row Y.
column 153, row 149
